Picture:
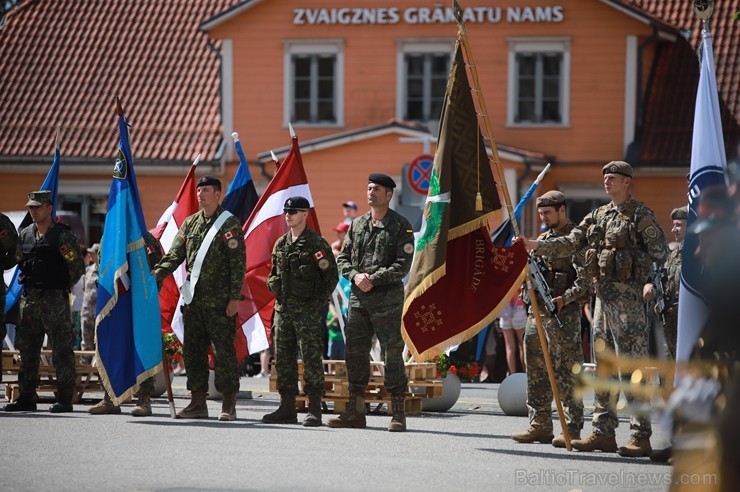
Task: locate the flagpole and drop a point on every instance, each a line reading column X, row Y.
column 168, row 383
column 462, row 36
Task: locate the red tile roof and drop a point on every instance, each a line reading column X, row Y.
column 66, row 60
column 671, row 92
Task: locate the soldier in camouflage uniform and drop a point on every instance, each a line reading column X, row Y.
column 679, row 216
column 90, row 299
column 303, row 276
column 375, row 257
column 622, row 239
column 143, row 406
column 8, row 246
column 211, row 307
column 570, row 288
column 49, row 258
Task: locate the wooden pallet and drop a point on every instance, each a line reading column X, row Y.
column 421, row 376
column 86, row 375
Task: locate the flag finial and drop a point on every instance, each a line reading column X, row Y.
column 292, row 132
column 235, row 136
column 704, row 9
column 119, row 108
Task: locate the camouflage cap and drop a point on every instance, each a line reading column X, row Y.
column 296, row 203
column 552, row 198
column 209, row 181
column 617, row 167
column 38, row 198
column 681, row 213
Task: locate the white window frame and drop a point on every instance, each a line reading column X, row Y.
column 539, row 45
column 416, row 45
column 313, row 47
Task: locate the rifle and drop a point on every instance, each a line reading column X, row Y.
column 658, row 278
column 536, row 267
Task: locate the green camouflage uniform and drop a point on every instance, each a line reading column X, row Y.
column 50, row 267
column 8, row 246
column 673, row 282
column 621, row 243
column 566, row 278
column 384, row 251
column 220, row 281
column 303, row 276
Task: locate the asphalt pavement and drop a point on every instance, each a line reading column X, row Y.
column 468, row 448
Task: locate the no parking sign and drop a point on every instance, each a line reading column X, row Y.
column 419, row 173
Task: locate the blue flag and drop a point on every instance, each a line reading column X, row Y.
column 51, row 183
column 708, row 165
column 504, row 233
column 128, row 324
column 241, row 197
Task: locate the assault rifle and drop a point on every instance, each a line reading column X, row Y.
column 658, row 278
column 536, row 269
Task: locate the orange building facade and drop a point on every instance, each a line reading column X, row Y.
column 362, row 83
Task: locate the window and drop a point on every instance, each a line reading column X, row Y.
column 314, row 83
column 539, row 82
column 423, row 70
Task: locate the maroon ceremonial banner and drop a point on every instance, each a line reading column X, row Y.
column 459, row 280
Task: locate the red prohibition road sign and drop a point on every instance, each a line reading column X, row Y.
column 419, row 173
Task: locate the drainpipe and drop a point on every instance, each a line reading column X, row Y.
column 222, row 147
column 634, row 148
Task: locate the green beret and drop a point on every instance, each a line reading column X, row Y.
column 552, row 198
column 38, row 198
column 382, row 180
column 680, row 213
column 209, row 181
column 617, row 167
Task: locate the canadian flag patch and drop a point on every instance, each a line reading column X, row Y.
column 318, row 255
column 228, row 235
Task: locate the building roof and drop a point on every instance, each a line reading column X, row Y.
column 66, row 61
column 667, row 128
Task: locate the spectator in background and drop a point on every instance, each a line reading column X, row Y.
column 350, row 211
column 90, row 299
column 78, row 294
column 513, row 320
column 341, row 229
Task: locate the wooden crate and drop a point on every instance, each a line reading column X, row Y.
column 86, row 375
column 421, row 376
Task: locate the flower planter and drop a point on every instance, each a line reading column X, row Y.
column 451, row 387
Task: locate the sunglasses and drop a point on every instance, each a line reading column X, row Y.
column 292, row 211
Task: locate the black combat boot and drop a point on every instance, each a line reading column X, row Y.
column 398, row 422
column 285, row 414
column 313, row 417
column 26, row 402
column 354, row 416
column 63, row 404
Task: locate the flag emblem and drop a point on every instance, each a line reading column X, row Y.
column 318, row 255
column 119, row 170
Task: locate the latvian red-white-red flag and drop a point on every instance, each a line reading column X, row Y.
column 185, row 204
column 263, row 228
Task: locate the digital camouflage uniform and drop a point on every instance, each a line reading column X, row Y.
column 205, row 317
column 88, row 307
column 566, row 278
column 303, row 276
column 8, row 246
column 621, row 243
column 673, row 282
column 50, row 266
column 384, row 251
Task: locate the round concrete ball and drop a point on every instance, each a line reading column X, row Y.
column 512, row 395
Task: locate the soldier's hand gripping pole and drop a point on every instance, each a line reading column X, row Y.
column 548, row 360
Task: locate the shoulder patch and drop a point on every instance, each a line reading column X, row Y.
column 228, row 235
column 68, row 253
column 319, row 255
column 408, row 248
column 323, row 263
column 651, row 232
column 3, row 233
column 233, row 243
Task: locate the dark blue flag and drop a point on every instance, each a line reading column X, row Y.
column 241, row 196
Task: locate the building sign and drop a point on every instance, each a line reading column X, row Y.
column 426, row 15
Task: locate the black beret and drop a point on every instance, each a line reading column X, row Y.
column 38, row 198
column 680, row 213
column 552, row 198
column 617, row 167
column 296, row 203
column 209, row 181
column 382, row 180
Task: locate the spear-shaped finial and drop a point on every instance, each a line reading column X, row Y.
column 292, row 132
column 119, row 108
column 57, row 137
column 235, row 137
column 197, row 160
